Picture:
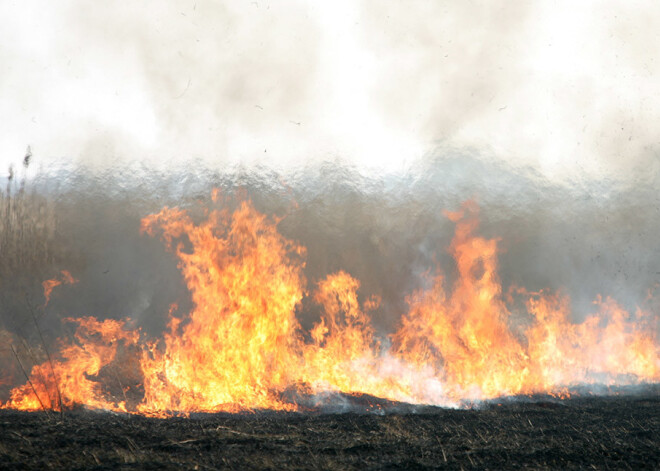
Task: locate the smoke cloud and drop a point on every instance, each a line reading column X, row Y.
column 567, row 90
column 388, row 232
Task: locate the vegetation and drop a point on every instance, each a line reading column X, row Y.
column 27, row 226
column 27, row 252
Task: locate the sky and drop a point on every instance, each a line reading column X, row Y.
column 568, row 89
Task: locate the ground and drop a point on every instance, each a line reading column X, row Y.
column 621, row 432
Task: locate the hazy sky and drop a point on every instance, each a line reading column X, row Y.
column 568, row 88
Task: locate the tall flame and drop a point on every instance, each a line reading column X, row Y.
column 237, row 348
column 345, row 354
column 466, row 337
column 241, row 346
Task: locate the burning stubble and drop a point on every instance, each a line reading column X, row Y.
column 288, row 291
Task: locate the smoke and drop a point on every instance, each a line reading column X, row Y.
column 389, row 232
column 568, row 90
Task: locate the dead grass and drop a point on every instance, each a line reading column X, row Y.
column 27, row 227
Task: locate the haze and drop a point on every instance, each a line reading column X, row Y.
column 568, row 90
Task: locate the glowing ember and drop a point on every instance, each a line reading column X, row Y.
column 242, row 348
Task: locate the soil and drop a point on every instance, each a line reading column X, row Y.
column 541, row 433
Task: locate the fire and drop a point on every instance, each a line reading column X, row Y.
column 241, row 347
column 68, row 381
column 237, row 348
column 604, row 347
column 49, row 285
column 345, row 354
column 466, row 337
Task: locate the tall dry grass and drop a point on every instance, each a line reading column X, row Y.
column 27, row 226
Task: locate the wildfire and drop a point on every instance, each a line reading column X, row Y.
column 241, row 346
column 68, row 381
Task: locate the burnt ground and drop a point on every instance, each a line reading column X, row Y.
column 588, row 432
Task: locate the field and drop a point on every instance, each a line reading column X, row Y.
column 616, row 432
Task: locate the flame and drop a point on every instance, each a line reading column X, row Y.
column 465, row 336
column 69, row 381
column 565, row 353
column 246, row 281
column 49, row 285
column 241, row 346
column 467, row 339
column 344, row 354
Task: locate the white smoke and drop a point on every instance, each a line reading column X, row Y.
column 569, row 90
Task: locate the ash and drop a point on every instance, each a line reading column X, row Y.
column 607, row 432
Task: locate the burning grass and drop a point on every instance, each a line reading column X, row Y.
column 241, row 346
column 616, row 432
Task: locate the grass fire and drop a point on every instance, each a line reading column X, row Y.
column 329, row 235
column 258, row 337
column 241, row 346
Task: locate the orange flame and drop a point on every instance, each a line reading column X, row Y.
column 245, row 280
column 49, row 285
column 344, row 354
column 69, row 381
column 242, row 348
column 466, row 337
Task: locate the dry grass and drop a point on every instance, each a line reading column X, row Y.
column 27, row 227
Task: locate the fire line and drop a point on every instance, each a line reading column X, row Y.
column 241, row 346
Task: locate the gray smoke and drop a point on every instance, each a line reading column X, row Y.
column 386, row 231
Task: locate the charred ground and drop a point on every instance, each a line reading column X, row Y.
column 620, row 432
